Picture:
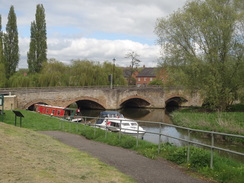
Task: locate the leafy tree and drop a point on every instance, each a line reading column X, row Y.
column 11, row 47
column 156, row 82
column 1, row 41
column 37, row 54
column 2, row 69
column 53, row 73
column 20, row 79
column 203, row 47
column 2, row 76
column 87, row 73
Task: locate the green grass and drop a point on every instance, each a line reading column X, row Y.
column 226, row 122
column 225, row 169
column 27, row 156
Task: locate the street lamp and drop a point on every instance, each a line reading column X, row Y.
column 113, row 70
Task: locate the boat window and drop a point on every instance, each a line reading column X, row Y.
column 125, row 124
column 133, row 124
column 114, row 124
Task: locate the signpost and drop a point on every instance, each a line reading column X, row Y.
column 2, row 104
column 18, row 114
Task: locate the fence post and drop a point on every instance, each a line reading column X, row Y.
column 159, row 138
column 95, row 132
column 106, row 131
column 188, row 148
column 120, row 129
column 137, row 135
column 212, row 150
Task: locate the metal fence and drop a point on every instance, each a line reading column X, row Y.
column 91, row 122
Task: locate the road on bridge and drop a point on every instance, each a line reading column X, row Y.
column 142, row 169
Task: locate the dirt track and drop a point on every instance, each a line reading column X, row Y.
column 142, row 169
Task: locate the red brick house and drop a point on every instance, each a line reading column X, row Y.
column 145, row 76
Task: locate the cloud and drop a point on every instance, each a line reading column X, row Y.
column 95, row 29
column 101, row 50
column 66, row 50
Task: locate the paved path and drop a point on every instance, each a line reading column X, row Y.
column 142, row 169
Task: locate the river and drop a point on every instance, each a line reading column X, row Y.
column 160, row 115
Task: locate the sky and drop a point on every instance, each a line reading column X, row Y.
column 96, row 30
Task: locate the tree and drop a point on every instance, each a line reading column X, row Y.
column 2, row 70
column 1, row 41
column 202, row 46
column 37, row 54
column 53, row 73
column 11, row 44
column 134, row 64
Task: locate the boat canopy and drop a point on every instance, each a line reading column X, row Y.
column 108, row 114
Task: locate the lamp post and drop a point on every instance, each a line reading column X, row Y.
column 113, row 70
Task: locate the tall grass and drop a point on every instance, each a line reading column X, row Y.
column 226, row 122
column 225, row 170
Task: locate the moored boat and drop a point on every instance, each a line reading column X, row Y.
column 62, row 112
column 116, row 122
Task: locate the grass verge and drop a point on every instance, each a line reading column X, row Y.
column 27, row 156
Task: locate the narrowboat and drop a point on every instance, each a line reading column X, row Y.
column 61, row 112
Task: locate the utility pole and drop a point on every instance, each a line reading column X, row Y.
column 113, row 78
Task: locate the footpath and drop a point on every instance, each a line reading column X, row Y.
column 142, row 169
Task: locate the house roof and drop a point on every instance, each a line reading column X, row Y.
column 147, row 72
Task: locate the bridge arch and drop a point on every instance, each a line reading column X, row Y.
column 135, row 102
column 175, row 101
column 86, row 103
column 30, row 105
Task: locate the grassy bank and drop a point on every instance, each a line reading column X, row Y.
column 27, row 156
column 225, row 170
column 226, row 122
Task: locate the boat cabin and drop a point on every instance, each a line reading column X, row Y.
column 108, row 114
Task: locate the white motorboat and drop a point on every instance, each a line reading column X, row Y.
column 115, row 122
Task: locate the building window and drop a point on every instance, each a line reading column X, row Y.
column 151, row 79
column 145, row 79
column 139, row 79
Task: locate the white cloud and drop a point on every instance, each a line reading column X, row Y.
column 93, row 29
column 102, row 50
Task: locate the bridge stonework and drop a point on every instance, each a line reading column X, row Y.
column 105, row 97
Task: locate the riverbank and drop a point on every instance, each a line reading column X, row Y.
column 225, row 170
column 197, row 118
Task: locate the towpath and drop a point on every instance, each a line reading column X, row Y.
column 142, row 169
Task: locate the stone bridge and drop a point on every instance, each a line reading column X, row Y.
column 104, row 98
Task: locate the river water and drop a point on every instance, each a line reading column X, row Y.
column 160, row 115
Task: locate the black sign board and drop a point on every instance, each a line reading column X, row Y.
column 18, row 114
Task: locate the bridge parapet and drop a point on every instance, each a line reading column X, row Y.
column 103, row 97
